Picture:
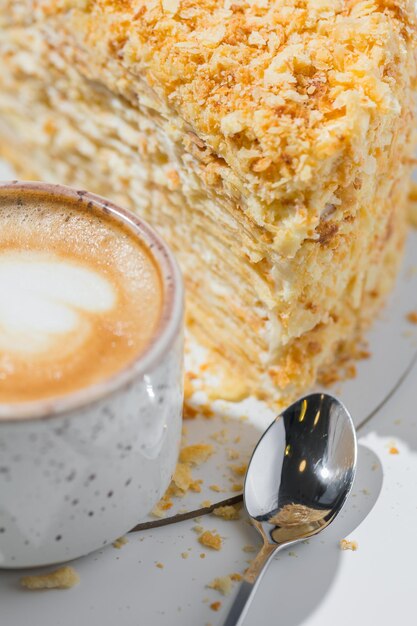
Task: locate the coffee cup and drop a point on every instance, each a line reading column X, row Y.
column 91, row 354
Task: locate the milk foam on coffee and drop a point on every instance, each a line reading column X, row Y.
column 80, row 298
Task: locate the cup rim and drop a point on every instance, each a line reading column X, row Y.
column 169, row 325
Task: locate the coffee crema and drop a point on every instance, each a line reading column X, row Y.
column 80, row 297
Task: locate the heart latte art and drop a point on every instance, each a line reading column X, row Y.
column 45, row 300
column 80, row 298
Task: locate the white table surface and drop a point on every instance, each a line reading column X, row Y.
column 314, row 584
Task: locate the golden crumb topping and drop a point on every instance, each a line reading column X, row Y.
column 276, row 89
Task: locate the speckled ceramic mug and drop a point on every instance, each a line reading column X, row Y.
column 79, row 471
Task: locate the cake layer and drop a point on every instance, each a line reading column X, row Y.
column 287, row 217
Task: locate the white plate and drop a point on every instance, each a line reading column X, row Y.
column 313, row 584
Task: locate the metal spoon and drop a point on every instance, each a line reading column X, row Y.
column 297, row 481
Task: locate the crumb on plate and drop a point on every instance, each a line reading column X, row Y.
column 61, row 578
column 120, row 542
column 198, row 529
column 240, row 470
column 344, row 544
column 189, row 412
column 412, row 317
column 222, row 584
column 228, row 512
column 210, row 540
column 196, row 454
column 220, row 436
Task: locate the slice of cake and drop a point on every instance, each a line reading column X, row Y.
column 270, row 143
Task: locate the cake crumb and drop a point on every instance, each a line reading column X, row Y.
column 188, row 387
column 202, row 555
column 184, row 555
column 394, row 450
column 348, row 545
column 206, row 411
column 222, row 584
column 206, row 503
column 120, row 542
column 61, row 578
column 228, row 512
column 210, row 540
column 240, row 470
column 198, row 529
column 351, row 371
column 412, row 204
column 160, row 509
column 215, row 488
column 220, row 436
column 232, row 454
column 215, row 606
column 237, row 487
column 196, row 454
column 182, row 481
column 159, row 565
column 412, row 317
column 189, row 412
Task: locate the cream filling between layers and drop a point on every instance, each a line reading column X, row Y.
column 164, row 182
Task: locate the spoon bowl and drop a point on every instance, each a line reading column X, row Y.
column 302, row 469
column 297, row 481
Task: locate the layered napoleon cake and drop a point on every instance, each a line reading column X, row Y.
column 270, row 142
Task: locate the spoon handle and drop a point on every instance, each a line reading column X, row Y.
column 251, row 579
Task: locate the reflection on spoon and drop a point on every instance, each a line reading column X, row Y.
column 297, row 481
